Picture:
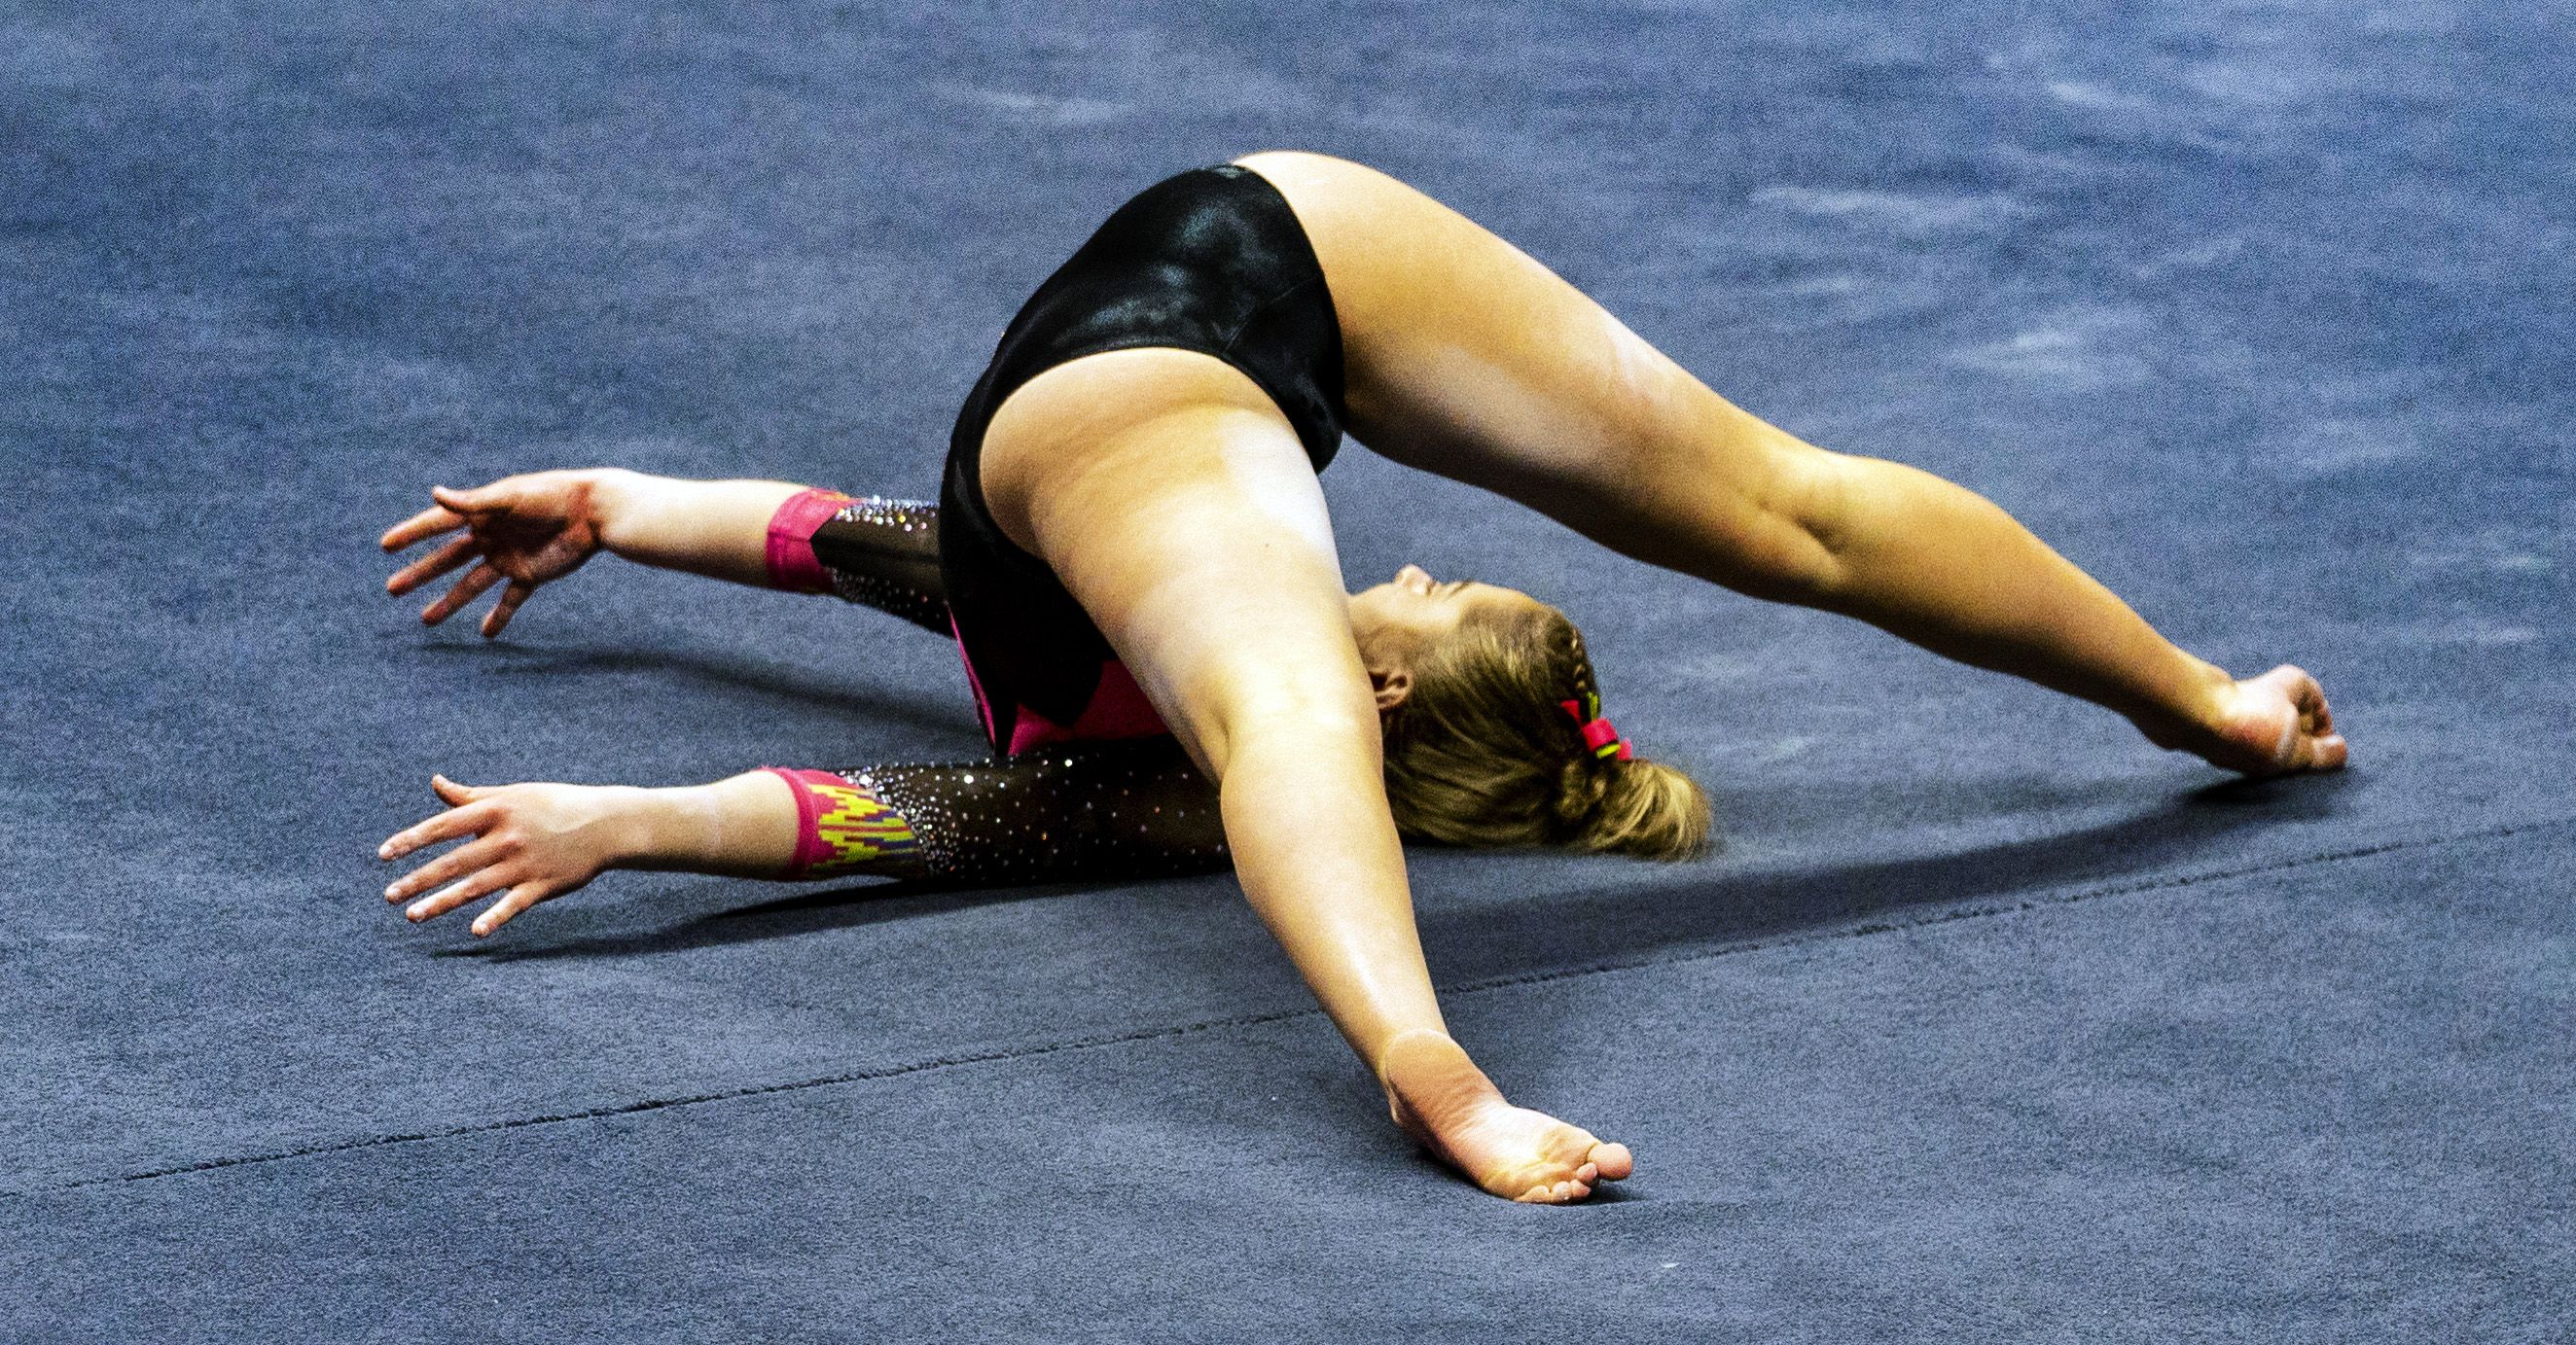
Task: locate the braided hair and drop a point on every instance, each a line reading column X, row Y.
column 1583, row 781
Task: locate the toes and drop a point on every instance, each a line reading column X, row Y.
column 1612, row 1160
column 1600, row 1162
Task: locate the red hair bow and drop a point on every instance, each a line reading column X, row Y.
column 1597, row 733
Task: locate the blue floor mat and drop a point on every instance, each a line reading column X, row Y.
column 1992, row 1021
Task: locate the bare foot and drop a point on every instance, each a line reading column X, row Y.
column 1440, row 1098
column 2274, row 724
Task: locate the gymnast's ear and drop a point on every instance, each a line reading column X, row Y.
column 1392, row 685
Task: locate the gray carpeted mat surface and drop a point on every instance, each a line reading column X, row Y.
column 2294, row 1104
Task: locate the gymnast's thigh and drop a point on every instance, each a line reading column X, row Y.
column 1465, row 357
column 1176, row 504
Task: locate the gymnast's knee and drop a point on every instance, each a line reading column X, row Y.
column 1763, row 525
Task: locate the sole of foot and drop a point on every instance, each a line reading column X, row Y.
column 1441, row 1099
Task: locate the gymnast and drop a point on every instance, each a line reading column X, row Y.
column 1131, row 551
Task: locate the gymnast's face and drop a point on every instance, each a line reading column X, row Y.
column 1395, row 623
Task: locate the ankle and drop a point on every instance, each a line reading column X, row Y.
column 1404, row 1052
column 1429, row 1076
column 2198, row 715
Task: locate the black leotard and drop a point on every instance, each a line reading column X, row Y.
column 1076, row 810
column 1211, row 260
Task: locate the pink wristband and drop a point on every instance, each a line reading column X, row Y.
column 792, row 564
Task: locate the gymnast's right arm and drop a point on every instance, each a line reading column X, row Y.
column 539, row 526
column 1118, row 810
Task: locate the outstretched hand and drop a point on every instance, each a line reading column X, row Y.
column 527, row 529
column 537, row 842
column 2275, row 724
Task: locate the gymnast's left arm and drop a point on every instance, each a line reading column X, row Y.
column 536, row 527
column 870, row 549
column 1092, row 811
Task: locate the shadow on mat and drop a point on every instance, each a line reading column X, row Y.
column 1622, row 922
column 689, row 667
column 804, row 913
column 1478, row 940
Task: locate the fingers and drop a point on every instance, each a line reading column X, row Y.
column 521, row 898
column 433, row 565
column 469, row 820
column 476, row 582
column 478, row 497
column 451, row 510
column 476, row 870
column 448, row 867
column 427, row 523
column 520, row 895
column 511, row 597
column 483, row 507
column 453, row 792
column 480, row 883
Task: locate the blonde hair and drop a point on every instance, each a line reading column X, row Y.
column 1482, row 753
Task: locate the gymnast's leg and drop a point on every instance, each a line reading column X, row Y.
column 1466, row 357
column 1176, row 504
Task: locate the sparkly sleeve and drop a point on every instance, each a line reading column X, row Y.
column 1130, row 808
column 863, row 549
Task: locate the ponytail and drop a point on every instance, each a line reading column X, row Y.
column 1482, row 754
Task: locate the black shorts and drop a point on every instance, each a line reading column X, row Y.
column 1210, row 260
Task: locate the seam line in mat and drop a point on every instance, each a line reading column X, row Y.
column 1948, row 916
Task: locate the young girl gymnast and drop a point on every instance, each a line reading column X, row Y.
column 1131, row 550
